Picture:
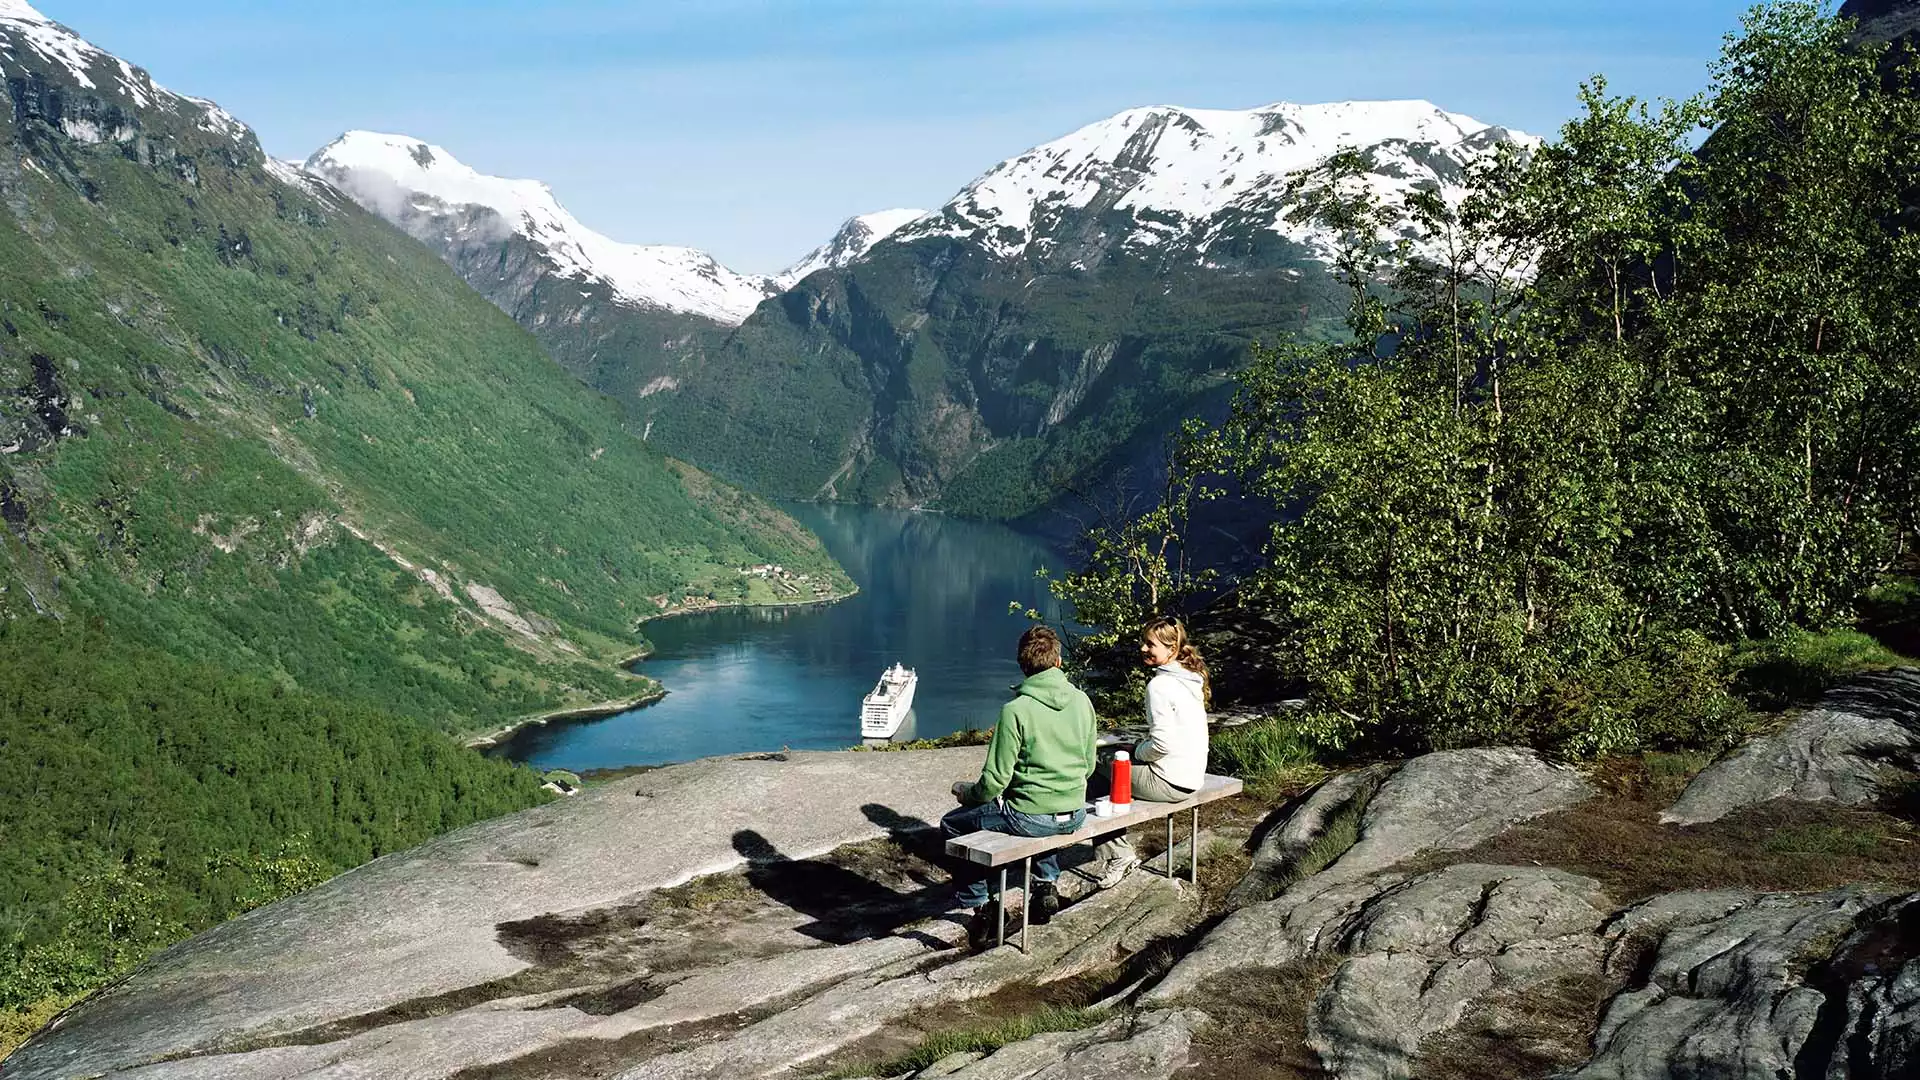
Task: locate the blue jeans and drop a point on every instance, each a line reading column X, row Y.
column 996, row 816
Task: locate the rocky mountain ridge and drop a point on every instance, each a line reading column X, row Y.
column 854, row 238
column 436, row 198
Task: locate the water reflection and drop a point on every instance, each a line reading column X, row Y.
column 934, row 596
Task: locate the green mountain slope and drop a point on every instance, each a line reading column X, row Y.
column 930, row 372
column 247, row 422
column 148, row 798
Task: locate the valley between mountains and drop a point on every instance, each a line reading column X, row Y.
column 1546, row 511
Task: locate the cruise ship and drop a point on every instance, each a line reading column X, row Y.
column 885, row 709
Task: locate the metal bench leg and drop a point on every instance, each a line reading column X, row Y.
column 1169, row 859
column 1193, row 848
column 1026, row 900
column 1000, row 910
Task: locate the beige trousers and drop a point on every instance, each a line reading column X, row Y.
column 1148, row 786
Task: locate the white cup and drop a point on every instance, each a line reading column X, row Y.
column 1103, row 807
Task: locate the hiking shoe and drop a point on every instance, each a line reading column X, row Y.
column 1117, row 870
column 1046, row 902
column 983, row 928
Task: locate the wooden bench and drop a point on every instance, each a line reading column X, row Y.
column 998, row 850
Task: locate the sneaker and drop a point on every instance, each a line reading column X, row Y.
column 983, row 928
column 1046, row 902
column 1117, row 870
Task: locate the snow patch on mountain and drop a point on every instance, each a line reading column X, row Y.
column 398, row 177
column 49, row 39
column 855, row 237
column 1183, row 167
column 23, row 27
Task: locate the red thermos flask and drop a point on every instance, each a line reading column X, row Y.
column 1122, row 793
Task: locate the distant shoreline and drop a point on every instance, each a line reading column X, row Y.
column 812, row 601
column 597, row 711
column 602, row 709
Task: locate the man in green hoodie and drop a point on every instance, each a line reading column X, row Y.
column 1035, row 780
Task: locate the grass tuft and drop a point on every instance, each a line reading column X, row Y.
column 1822, row 839
column 983, row 1040
column 1269, row 755
column 1798, row 667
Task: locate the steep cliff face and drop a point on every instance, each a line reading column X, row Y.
column 1067, row 306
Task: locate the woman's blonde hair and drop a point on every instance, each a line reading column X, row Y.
column 1168, row 631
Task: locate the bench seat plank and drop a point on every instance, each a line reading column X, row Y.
column 992, row 849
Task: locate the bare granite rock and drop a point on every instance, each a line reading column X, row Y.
column 1454, row 799
column 1150, row 1046
column 419, row 925
column 1446, row 801
column 1081, row 938
column 1772, row 988
column 1840, row 751
column 1420, row 950
column 1283, row 846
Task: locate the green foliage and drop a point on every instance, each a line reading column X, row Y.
column 1268, row 755
column 1624, row 407
column 267, row 447
column 148, row 798
column 1797, row 667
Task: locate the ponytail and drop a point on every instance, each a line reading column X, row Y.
column 1168, row 631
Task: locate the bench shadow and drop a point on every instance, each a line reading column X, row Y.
column 846, row 904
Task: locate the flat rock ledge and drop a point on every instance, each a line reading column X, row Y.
column 427, row 923
column 1841, row 751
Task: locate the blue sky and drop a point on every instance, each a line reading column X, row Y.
column 751, row 129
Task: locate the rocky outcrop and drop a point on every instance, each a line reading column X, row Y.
column 1452, row 800
column 418, row 932
column 1843, row 751
column 1280, row 855
column 560, row 942
column 1772, row 987
column 1447, row 801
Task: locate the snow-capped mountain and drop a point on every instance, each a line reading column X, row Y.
column 1073, row 301
column 1188, row 177
column 432, row 195
column 27, row 36
column 853, row 240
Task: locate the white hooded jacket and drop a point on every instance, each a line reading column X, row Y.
column 1176, row 742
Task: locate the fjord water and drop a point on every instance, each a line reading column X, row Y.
column 933, row 595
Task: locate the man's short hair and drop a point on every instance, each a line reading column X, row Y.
column 1039, row 650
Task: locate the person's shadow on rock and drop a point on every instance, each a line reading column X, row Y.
column 845, row 905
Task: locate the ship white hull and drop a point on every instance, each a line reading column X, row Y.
column 883, row 711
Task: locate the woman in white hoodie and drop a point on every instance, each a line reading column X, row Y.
column 1171, row 762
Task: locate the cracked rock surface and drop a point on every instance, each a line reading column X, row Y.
column 1773, row 987
column 1841, row 751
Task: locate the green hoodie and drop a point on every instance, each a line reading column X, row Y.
column 1041, row 752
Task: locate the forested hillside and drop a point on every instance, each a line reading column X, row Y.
column 148, row 798
column 250, row 423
